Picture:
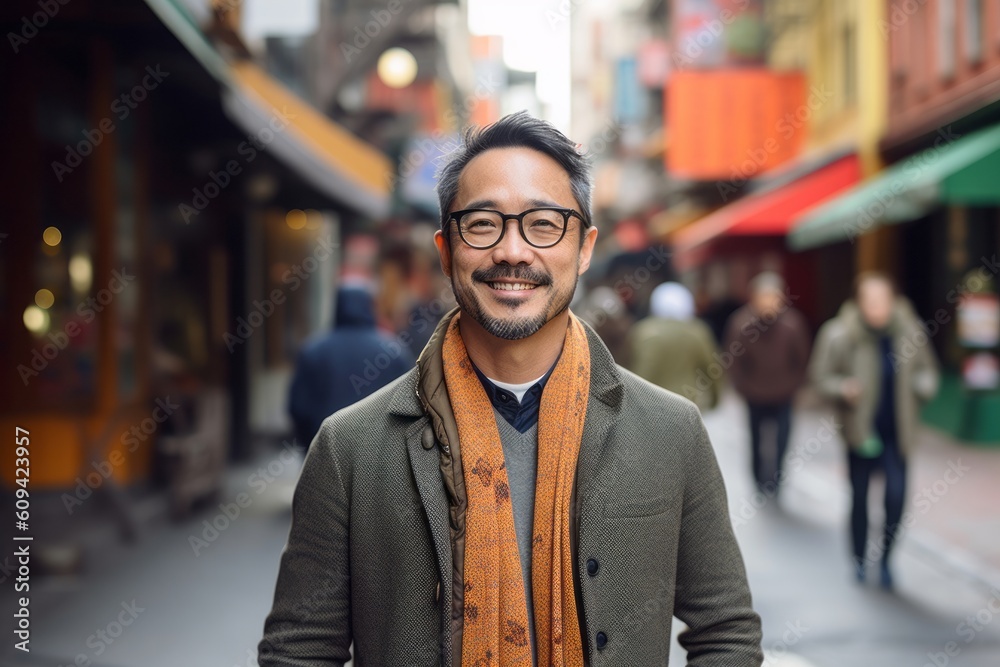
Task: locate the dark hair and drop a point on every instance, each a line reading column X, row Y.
column 517, row 130
column 874, row 275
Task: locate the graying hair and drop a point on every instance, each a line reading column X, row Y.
column 517, row 130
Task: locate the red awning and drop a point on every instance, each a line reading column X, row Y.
column 769, row 213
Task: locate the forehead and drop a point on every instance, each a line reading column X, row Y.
column 874, row 288
column 513, row 177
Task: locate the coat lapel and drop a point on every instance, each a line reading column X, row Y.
column 602, row 411
column 427, row 473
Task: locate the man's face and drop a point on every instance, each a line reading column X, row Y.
column 767, row 302
column 876, row 301
column 513, row 289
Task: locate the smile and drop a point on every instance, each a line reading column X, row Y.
column 510, row 287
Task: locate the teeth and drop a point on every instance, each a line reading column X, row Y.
column 512, row 286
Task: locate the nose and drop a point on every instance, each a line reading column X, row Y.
column 513, row 249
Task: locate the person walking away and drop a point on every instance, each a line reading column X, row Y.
column 674, row 349
column 768, row 342
column 867, row 363
column 344, row 365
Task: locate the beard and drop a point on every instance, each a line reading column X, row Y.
column 512, row 327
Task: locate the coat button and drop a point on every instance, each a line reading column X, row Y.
column 602, row 640
column 427, row 438
column 592, row 566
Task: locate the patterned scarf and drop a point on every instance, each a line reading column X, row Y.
column 495, row 630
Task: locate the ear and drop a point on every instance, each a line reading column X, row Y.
column 444, row 251
column 587, row 249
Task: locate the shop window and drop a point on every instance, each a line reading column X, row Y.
column 65, row 301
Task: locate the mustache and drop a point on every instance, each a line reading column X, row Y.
column 522, row 273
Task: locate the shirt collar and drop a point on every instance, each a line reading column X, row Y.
column 521, row 415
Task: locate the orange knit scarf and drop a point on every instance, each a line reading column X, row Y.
column 495, row 630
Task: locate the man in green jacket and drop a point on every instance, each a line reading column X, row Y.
column 517, row 498
column 876, row 364
column 675, row 350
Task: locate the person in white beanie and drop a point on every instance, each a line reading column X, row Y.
column 674, row 349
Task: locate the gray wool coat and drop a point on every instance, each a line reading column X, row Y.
column 376, row 544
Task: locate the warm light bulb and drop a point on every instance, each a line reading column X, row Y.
column 397, row 68
column 52, row 236
column 36, row 320
column 295, row 219
column 44, row 299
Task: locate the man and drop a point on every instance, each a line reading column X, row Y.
column 769, row 343
column 868, row 362
column 674, row 349
column 345, row 365
column 517, row 498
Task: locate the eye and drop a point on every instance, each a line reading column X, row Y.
column 544, row 222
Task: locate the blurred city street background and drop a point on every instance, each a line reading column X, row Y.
column 199, row 190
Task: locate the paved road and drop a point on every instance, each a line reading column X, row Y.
column 183, row 609
column 796, row 551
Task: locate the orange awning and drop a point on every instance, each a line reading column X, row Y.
column 327, row 155
column 771, row 212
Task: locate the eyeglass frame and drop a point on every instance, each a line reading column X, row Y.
column 566, row 212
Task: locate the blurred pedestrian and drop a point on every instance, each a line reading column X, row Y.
column 674, row 349
column 869, row 360
column 344, row 365
column 767, row 347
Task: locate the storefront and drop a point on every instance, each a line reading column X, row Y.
column 176, row 238
column 724, row 250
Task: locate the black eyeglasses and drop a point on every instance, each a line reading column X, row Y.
column 483, row 228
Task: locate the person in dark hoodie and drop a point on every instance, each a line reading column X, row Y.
column 344, row 365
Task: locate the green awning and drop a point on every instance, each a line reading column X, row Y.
column 957, row 170
column 180, row 22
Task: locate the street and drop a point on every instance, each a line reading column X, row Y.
column 199, row 597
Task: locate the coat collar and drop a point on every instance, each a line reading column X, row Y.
column 425, row 392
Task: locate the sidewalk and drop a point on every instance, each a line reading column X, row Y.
column 796, row 550
column 953, row 506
